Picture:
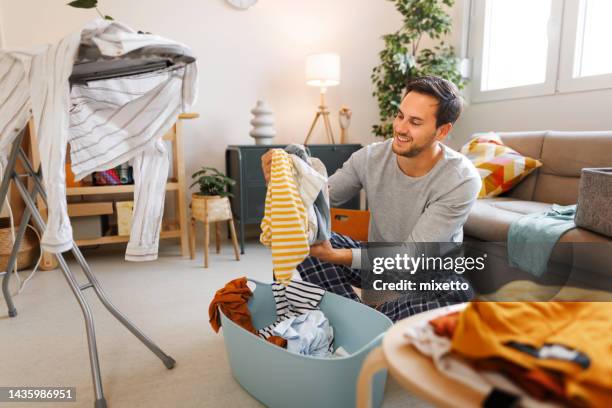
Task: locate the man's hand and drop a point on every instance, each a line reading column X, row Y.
column 266, row 165
column 326, row 253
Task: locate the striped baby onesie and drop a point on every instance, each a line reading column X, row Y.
column 285, row 223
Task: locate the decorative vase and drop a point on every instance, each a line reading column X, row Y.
column 263, row 124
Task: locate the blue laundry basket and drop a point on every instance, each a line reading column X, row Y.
column 281, row 379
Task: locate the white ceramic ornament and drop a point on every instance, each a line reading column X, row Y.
column 263, row 124
column 242, row 4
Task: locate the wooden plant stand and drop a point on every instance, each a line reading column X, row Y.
column 211, row 209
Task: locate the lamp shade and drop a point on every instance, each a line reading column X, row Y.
column 323, row 70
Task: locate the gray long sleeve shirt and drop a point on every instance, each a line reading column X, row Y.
column 430, row 208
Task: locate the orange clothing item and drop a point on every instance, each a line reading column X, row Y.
column 232, row 300
column 485, row 330
column 446, row 325
column 277, row 341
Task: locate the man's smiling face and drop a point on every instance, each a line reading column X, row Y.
column 414, row 127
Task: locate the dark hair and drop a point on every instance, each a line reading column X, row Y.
column 450, row 103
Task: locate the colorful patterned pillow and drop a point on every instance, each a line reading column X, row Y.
column 500, row 167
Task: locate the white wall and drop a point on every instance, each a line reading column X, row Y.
column 243, row 56
column 571, row 111
column 1, row 30
column 259, row 53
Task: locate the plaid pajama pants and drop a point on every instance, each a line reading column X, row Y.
column 340, row 279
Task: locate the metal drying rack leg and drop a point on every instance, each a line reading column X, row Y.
column 32, row 212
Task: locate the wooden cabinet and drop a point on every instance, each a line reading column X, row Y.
column 243, row 164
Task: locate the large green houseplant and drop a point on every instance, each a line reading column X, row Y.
column 403, row 59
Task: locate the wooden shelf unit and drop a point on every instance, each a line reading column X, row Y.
column 178, row 185
column 171, row 185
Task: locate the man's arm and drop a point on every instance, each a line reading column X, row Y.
column 445, row 216
column 326, row 253
column 343, row 185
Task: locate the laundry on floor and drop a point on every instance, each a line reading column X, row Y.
column 545, row 353
column 300, row 326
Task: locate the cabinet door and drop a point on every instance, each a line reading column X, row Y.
column 256, row 203
column 252, row 164
column 333, row 156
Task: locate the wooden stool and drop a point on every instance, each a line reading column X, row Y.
column 211, row 209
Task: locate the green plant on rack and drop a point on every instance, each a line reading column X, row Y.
column 212, row 182
column 402, row 59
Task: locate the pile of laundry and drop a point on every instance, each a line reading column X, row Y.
column 297, row 209
column 300, row 326
column 532, row 354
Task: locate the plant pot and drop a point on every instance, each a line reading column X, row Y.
column 210, row 208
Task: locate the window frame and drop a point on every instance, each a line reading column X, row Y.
column 562, row 34
column 567, row 81
column 477, row 44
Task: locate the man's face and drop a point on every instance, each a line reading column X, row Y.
column 414, row 127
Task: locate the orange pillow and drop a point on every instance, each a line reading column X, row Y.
column 500, row 167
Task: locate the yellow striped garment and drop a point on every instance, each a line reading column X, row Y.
column 285, row 223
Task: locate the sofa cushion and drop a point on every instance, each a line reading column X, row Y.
column 527, row 144
column 500, row 167
column 490, row 218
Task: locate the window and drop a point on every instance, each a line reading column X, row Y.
column 525, row 48
column 505, row 46
column 592, row 54
column 586, row 54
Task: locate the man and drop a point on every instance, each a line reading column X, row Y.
column 418, row 190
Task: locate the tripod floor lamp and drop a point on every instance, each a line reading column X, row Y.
column 323, row 71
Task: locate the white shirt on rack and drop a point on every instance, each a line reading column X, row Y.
column 106, row 122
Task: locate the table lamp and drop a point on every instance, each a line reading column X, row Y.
column 323, row 71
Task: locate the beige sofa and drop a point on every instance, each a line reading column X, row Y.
column 563, row 155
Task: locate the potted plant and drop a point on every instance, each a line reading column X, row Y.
column 404, row 58
column 211, row 202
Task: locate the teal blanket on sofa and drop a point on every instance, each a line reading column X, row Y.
column 532, row 237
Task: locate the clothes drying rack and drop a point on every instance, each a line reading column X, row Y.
column 29, row 196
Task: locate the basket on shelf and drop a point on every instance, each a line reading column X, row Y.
column 28, row 250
